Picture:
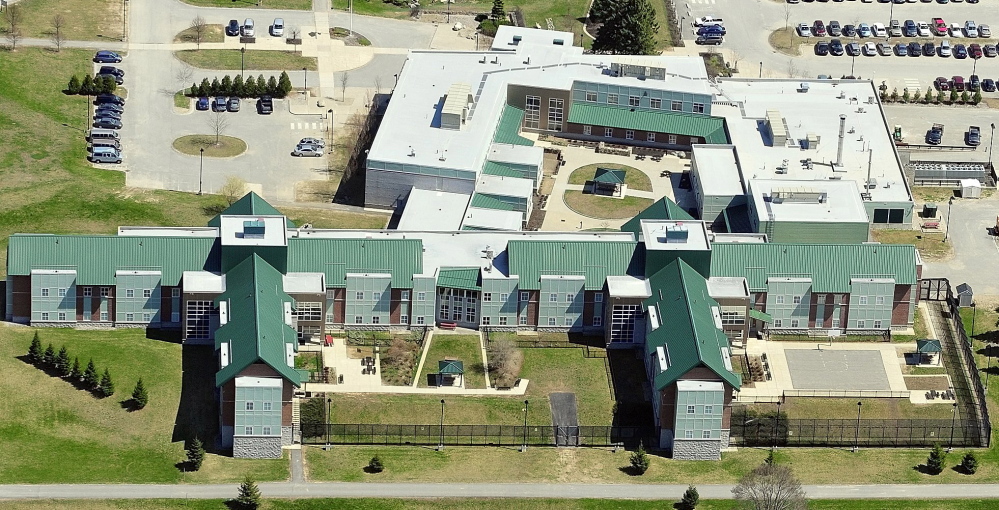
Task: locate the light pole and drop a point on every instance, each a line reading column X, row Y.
column 448, row 12
column 123, row 20
column 950, row 204
column 974, row 314
column 326, row 422
column 242, row 55
column 891, row 12
column 440, row 444
column 329, row 120
column 350, row 8
column 761, row 69
column 856, row 439
column 991, row 136
column 523, row 447
column 306, row 88
column 953, row 420
column 988, row 352
column 853, row 63
column 201, row 173
column 776, row 426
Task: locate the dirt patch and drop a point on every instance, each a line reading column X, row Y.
column 315, row 191
column 932, row 382
column 566, row 464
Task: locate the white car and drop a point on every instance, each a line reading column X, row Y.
column 277, row 28
column 956, row 30
column 804, row 30
column 869, row 49
column 923, row 29
column 706, row 19
column 879, row 30
column 984, row 31
column 312, row 141
column 970, row 29
column 307, row 151
column 944, row 48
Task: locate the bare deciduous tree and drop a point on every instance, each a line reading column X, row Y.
column 770, row 487
column 296, row 36
column 218, row 122
column 184, row 73
column 792, row 68
column 13, row 18
column 344, row 78
column 233, row 189
column 198, row 29
column 58, row 26
column 505, row 361
column 736, row 58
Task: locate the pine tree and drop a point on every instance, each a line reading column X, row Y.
column 965, row 96
column 262, row 86
column 953, row 95
column 771, row 458
column 206, row 88
column 375, row 465
column 226, row 85
column 602, row 9
column 894, row 95
column 238, row 87
column 905, row 95
column 49, row 357
column 107, row 385
column 690, row 499
column 195, row 90
column 108, row 85
column 139, row 395
column 35, row 350
column 62, row 362
column 216, row 87
column 284, row 84
column 249, row 494
column 74, row 85
column 272, row 87
column 74, row 372
column 977, row 98
column 629, row 30
column 250, row 87
column 90, row 375
column 498, row 12
column 935, row 462
column 969, row 464
column 916, row 96
column 87, row 87
column 940, row 96
column 195, row 454
column 640, row 460
column 929, row 94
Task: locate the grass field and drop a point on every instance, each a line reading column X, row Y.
column 594, row 206
column 846, row 408
column 180, row 100
column 931, row 245
column 301, row 5
column 212, row 34
column 786, row 41
column 633, row 177
column 227, row 146
column 54, row 432
column 85, row 20
column 466, row 348
column 255, row 60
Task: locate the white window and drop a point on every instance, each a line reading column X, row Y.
column 778, row 323
column 146, row 317
column 794, row 323
column 797, row 300
column 62, row 316
column 591, row 96
column 376, row 296
column 598, row 297
column 309, row 311
column 691, row 409
column 863, row 300
column 175, row 292
column 359, row 296
column 376, row 320
column 419, row 320
column 486, row 320
column 629, row 134
column 608, row 132
column 147, row 293
column 634, row 101
column 523, row 320
column 705, row 434
column 880, row 300
column 358, row 319
column 129, row 317
column 532, row 112
column 611, row 98
column 421, row 296
column 861, row 324
column 698, row 107
column 779, row 300
column 45, row 316
column 835, row 322
column 487, row 296
column 598, row 321
column 818, row 322
column 587, row 130
column 130, row 293
column 267, row 431
column 404, row 319
column 86, row 317
column 88, row 291
column 676, row 106
column 672, row 139
column 655, row 103
column 404, row 295
column 709, row 409
column 877, row 324
column 62, row 292
column 248, row 430
column 502, row 321
column 504, row 297
column 525, row 296
column 650, row 137
column 553, row 298
column 568, row 297
column 105, row 291
column 688, row 434
column 249, row 406
column 104, row 317
column 45, row 292
column 568, row 321
column 551, row 321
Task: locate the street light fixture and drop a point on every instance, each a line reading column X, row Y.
column 856, row 439
column 950, row 204
column 440, row 444
column 242, row 55
column 123, row 20
column 329, row 120
column 306, row 88
column 761, row 69
column 523, row 447
column 201, row 173
column 776, row 426
column 326, row 422
column 953, row 420
column 991, row 136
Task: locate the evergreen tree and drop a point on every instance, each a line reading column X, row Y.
column 771, row 458
column 226, row 85
column 916, row 96
column 74, row 372
column 602, row 9
column 690, row 499
column 74, row 85
column 498, row 12
column 375, row 465
column 629, row 30
column 238, row 88
column 953, row 95
column 905, row 95
column 969, row 464
column 262, row 86
column 977, row 98
column 87, row 87
column 216, row 87
column 108, row 85
column 90, row 375
column 195, row 454
column 35, row 350
column 929, row 94
column 206, row 88
column 250, row 87
column 107, row 385
column 284, row 84
column 935, row 462
column 965, row 96
column 272, row 87
column 195, row 90
column 49, row 357
column 940, row 96
column 62, row 362
column 640, row 460
column 139, row 395
column 894, row 95
column 249, row 495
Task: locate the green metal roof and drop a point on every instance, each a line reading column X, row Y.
column 760, row 316
column 96, row 258
column 486, row 201
column 925, row 346
column 336, row 257
column 508, row 127
column 459, row 278
column 711, row 129
column 609, row 176
column 530, row 259
column 256, row 331
column 830, row 266
column 250, row 205
column 501, row 170
column 687, row 327
column 662, row 209
column 450, row 366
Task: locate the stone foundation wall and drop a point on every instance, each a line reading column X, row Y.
column 697, row 449
column 725, row 439
column 94, row 325
column 256, row 447
column 287, row 436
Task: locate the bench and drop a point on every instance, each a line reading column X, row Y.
column 447, row 325
column 931, row 224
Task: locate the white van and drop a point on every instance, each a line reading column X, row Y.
column 105, row 142
column 248, row 27
column 102, row 134
column 105, row 155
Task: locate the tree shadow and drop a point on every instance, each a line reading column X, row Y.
column 962, row 470
column 371, row 471
column 924, row 469
column 213, row 209
column 130, row 405
column 630, row 471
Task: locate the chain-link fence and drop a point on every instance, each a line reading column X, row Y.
column 476, row 435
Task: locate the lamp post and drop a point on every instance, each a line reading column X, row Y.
column 329, row 120
column 853, row 63
column 523, row 447
column 974, row 313
column 123, row 20
column 761, row 69
column 306, row 88
column 988, row 352
column 350, row 8
column 201, row 173
column 242, row 55
column 776, row 426
column 891, row 12
column 953, row 420
column 950, row 204
column 991, row 136
column 326, row 422
column 856, row 438
column 440, row 444
column 448, row 12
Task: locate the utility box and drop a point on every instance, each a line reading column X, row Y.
column 965, row 296
column 929, row 210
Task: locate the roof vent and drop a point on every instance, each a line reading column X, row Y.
column 517, row 39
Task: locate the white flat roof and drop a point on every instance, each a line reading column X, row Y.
column 130, row 272
column 505, row 35
column 518, row 154
column 727, row 287
column 203, row 281
column 233, row 230
column 689, row 385
column 669, row 235
column 628, row 286
column 718, row 171
column 744, row 104
column 260, row 382
column 843, row 202
column 505, row 186
column 433, row 210
column 304, row 283
column 168, row 231
column 493, row 219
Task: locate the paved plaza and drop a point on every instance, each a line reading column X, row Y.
column 818, row 369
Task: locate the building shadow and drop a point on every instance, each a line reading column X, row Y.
column 197, row 413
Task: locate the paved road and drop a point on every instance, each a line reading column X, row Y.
column 976, row 253
column 480, row 490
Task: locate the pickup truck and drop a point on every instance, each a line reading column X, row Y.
column 265, row 105
column 935, row 136
column 707, row 20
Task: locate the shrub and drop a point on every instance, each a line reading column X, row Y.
column 35, row 352
column 62, row 362
column 106, row 385
column 640, row 460
column 977, row 98
column 90, row 375
column 771, row 458
column 195, row 454
column 969, row 464
column 74, row 85
column 49, row 356
column 935, row 462
column 249, row 495
column 489, row 26
column 375, row 465
column 690, row 499
column 140, row 396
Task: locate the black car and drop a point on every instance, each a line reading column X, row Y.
column 822, row 48
column 114, row 107
column 989, row 85
column 202, row 104
column 974, row 136
column 836, row 47
column 110, row 98
column 117, row 79
column 711, row 30
column 960, row 51
column 101, row 112
column 111, row 70
column 853, row 49
column 219, row 105
column 934, row 136
column 915, row 49
column 909, row 28
column 849, row 31
column 834, row 28
column 232, row 29
column 929, row 49
column 107, row 57
column 974, row 83
column 265, row 105
column 107, row 123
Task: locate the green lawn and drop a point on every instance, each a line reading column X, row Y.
column 85, row 20
column 212, row 34
column 931, row 245
column 300, row 5
column 846, row 409
column 255, row 60
column 595, row 206
column 56, row 433
column 466, row 348
column 227, row 146
column 180, row 99
column 633, row 177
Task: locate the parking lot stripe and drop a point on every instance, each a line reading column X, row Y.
column 292, row 125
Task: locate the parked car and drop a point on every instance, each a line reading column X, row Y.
column 984, row 31
column 941, row 83
column 989, row 85
column 895, row 28
column 935, row 134
column 915, row 49
column 710, row 39
column 990, row 50
column 929, row 49
column 864, row 30
column 970, row 29
column 114, row 107
column 248, row 27
column 945, row 48
column 219, row 105
column 307, row 151
column 957, row 83
column 960, row 51
column 232, row 29
column 909, row 28
column 117, row 79
column 277, row 28
column 265, row 105
column 101, row 112
column 869, row 49
column 901, row 49
column 105, row 155
column 974, row 83
column 107, row 123
column 939, row 26
column 975, row 50
column 884, row 49
column 804, row 30
column 711, row 30
column 974, row 136
column 822, row 48
column 956, row 30
column 703, row 20
column 834, row 28
column 819, row 28
column 923, row 29
column 107, row 57
column 111, row 70
column 879, row 30
column 853, row 49
column 849, row 31
column 202, row 103
column 233, row 104
column 312, row 141
column 110, row 98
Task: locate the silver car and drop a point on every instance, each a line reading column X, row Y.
column 312, row 141
column 306, row 150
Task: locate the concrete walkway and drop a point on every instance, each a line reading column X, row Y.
column 444, row 390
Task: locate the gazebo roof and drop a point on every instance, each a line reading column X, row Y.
column 450, row 366
column 609, row 176
column 927, row 346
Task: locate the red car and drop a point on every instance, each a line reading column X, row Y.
column 958, row 83
column 975, row 50
column 939, row 26
column 818, row 28
column 941, row 83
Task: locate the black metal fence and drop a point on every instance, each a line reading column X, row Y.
column 476, row 435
